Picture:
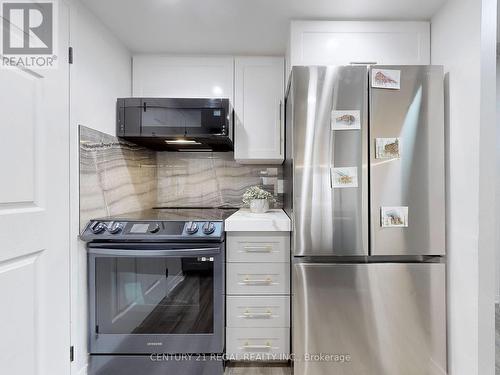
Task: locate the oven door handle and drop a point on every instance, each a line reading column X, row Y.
column 156, row 253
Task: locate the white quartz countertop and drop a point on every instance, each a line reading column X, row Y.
column 243, row 220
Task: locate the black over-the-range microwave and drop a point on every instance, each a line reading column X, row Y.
column 181, row 124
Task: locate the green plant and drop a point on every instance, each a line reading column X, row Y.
column 256, row 192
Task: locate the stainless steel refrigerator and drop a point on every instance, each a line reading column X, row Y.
column 365, row 191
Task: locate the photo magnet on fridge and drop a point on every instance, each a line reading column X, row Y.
column 346, row 120
column 393, row 217
column 386, row 79
column 387, row 148
column 345, row 177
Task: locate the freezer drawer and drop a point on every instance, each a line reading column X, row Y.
column 258, row 278
column 258, row 311
column 407, row 170
column 258, row 247
column 377, row 319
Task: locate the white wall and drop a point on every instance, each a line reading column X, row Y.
column 488, row 216
column 462, row 35
column 497, row 291
column 101, row 73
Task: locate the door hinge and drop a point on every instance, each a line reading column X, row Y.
column 70, row 55
column 71, row 353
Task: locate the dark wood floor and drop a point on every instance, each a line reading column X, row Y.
column 242, row 368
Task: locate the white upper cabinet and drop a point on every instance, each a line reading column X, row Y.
column 258, row 110
column 346, row 42
column 183, row 76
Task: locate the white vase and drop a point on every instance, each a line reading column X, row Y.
column 259, row 206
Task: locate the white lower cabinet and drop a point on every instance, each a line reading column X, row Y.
column 258, row 344
column 258, row 247
column 258, row 296
column 258, row 278
column 258, row 311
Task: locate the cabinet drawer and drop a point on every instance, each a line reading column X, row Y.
column 266, row 311
column 254, row 344
column 258, row 247
column 258, row 278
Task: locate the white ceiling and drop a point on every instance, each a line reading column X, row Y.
column 236, row 26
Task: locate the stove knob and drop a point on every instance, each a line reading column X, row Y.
column 154, row 228
column 191, row 227
column 98, row 227
column 115, row 228
column 208, row 228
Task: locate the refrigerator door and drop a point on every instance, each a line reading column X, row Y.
column 374, row 318
column 407, row 160
column 326, row 120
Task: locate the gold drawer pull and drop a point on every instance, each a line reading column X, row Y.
column 250, row 315
column 266, row 346
column 258, row 249
column 265, row 281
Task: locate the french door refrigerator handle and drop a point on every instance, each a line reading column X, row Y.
column 330, row 156
column 281, row 128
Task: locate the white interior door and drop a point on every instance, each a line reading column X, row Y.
column 34, row 217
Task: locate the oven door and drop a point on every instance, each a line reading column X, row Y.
column 156, row 298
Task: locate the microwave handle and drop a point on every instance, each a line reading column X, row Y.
column 155, row 253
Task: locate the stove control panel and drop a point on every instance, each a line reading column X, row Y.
column 191, row 227
column 209, row 228
column 152, row 230
column 114, row 227
column 203, row 229
column 97, row 227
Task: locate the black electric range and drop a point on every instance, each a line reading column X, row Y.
column 160, row 224
column 156, row 292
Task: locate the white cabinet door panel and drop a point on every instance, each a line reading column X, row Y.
column 258, row 311
column 258, row 107
column 263, row 247
column 258, row 278
column 257, row 344
column 183, row 76
column 344, row 42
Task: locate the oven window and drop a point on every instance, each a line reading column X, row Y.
column 154, row 295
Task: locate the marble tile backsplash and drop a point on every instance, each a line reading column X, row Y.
column 210, row 179
column 118, row 177
column 115, row 176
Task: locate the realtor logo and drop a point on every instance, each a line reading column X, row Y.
column 28, row 36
